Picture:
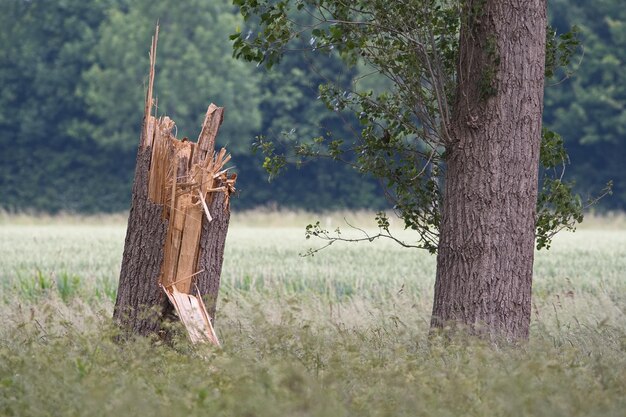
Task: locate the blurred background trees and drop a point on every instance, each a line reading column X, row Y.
column 589, row 109
column 73, row 75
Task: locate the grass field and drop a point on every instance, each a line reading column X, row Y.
column 343, row 333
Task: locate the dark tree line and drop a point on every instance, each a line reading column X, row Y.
column 73, row 77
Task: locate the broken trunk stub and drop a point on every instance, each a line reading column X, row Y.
column 184, row 178
column 177, row 224
column 192, row 313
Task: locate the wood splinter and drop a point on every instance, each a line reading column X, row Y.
column 177, row 226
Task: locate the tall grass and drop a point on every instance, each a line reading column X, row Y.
column 343, row 333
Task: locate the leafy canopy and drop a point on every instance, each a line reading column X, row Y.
column 403, row 131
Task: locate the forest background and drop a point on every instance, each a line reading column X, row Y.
column 73, row 77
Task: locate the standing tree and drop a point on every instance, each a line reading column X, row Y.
column 456, row 138
column 487, row 233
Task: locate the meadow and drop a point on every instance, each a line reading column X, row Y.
column 343, row 333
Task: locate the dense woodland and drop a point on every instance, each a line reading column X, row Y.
column 73, row 77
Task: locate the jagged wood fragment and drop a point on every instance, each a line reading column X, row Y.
column 177, row 225
column 192, row 313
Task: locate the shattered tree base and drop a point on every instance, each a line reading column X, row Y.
column 176, row 228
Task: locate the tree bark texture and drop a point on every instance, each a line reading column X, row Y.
column 171, row 240
column 487, row 235
column 177, row 224
column 211, row 257
column 142, row 259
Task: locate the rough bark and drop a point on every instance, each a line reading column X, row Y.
column 174, row 241
column 487, row 235
column 211, row 256
column 158, row 251
column 140, row 302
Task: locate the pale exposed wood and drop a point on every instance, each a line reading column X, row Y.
column 144, row 140
column 184, row 180
column 158, row 169
column 205, row 207
column 150, row 132
column 194, row 316
column 174, row 239
column 189, row 248
column 180, row 188
column 186, row 278
column 210, row 126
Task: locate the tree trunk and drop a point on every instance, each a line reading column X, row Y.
column 487, row 235
column 140, row 303
column 211, row 258
column 176, row 228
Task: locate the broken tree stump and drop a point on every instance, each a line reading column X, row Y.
column 177, row 226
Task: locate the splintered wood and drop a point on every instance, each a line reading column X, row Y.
column 177, row 226
column 194, row 316
column 183, row 178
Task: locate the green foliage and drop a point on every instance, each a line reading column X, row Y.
column 558, row 207
column 192, row 71
column 589, row 103
column 341, row 335
column 399, row 142
column 73, row 76
column 45, row 162
column 560, row 49
column 68, row 285
column 405, row 128
column 588, row 107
